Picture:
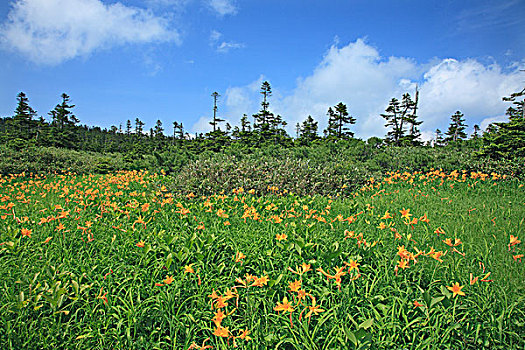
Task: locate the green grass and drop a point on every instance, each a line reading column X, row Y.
column 91, row 286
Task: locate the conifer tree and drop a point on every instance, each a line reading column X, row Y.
column 22, row 121
column 308, row 130
column 456, row 129
column 128, row 127
column 505, row 140
column 63, row 123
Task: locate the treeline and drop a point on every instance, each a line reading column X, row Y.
column 25, row 130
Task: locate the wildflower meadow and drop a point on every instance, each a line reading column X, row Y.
column 119, row 261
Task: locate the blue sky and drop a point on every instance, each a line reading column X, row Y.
column 162, row 59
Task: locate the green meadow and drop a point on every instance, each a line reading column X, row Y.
column 122, row 261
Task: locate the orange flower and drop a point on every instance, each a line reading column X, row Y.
column 386, row 216
column 239, row 256
column 352, row 265
column 281, row 237
column 145, row 207
column 403, row 264
column 188, row 269
column 295, row 286
column 456, row 289
column 222, row 332
column 140, row 244
column 314, row 309
column 424, row 218
column 244, row 334
column 260, row 282
column 218, row 317
column 439, row 231
column 513, row 241
column 417, row 304
column 168, row 279
column 517, row 257
column 381, row 226
column 26, row 232
column 405, row 213
column 284, row 306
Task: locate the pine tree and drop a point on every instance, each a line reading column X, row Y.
column 506, row 140
column 139, row 127
column 331, row 129
column 401, row 116
column 394, row 120
column 262, row 119
column 308, row 130
column 456, row 129
column 342, row 119
column 439, row 138
column 23, row 121
column 158, row 130
column 128, row 127
column 63, row 124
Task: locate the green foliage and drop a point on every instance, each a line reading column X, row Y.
column 507, row 140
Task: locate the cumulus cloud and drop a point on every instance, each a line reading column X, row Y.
column 359, row 76
column 223, row 46
column 223, row 7
column 53, row 31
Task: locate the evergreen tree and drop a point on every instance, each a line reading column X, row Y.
column 128, row 127
column 506, row 140
column 23, row 123
column 63, row 124
column 408, row 112
column 342, row 119
column 158, row 130
column 456, row 129
column 331, row 129
column 262, row 119
column 439, row 138
column 308, row 130
column 394, row 121
column 399, row 117
column 139, row 127
column 475, row 134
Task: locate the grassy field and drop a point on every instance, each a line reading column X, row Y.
column 431, row 261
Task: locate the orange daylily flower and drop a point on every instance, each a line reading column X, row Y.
column 26, row 232
column 513, row 241
column 387, row 216
column 189, row 269
column 405, row 213
column 239, row 256
column 417, row 304
column 222, row 332
column 168, row 279
column 140, row 244
column 295, row 285
column 281, row 237
column 284, row 306
column 456, row 289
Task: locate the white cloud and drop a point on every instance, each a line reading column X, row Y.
column 53, row 31
column 496, row 119
column 365, row 81
column 223, row 46
column 223, row 7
